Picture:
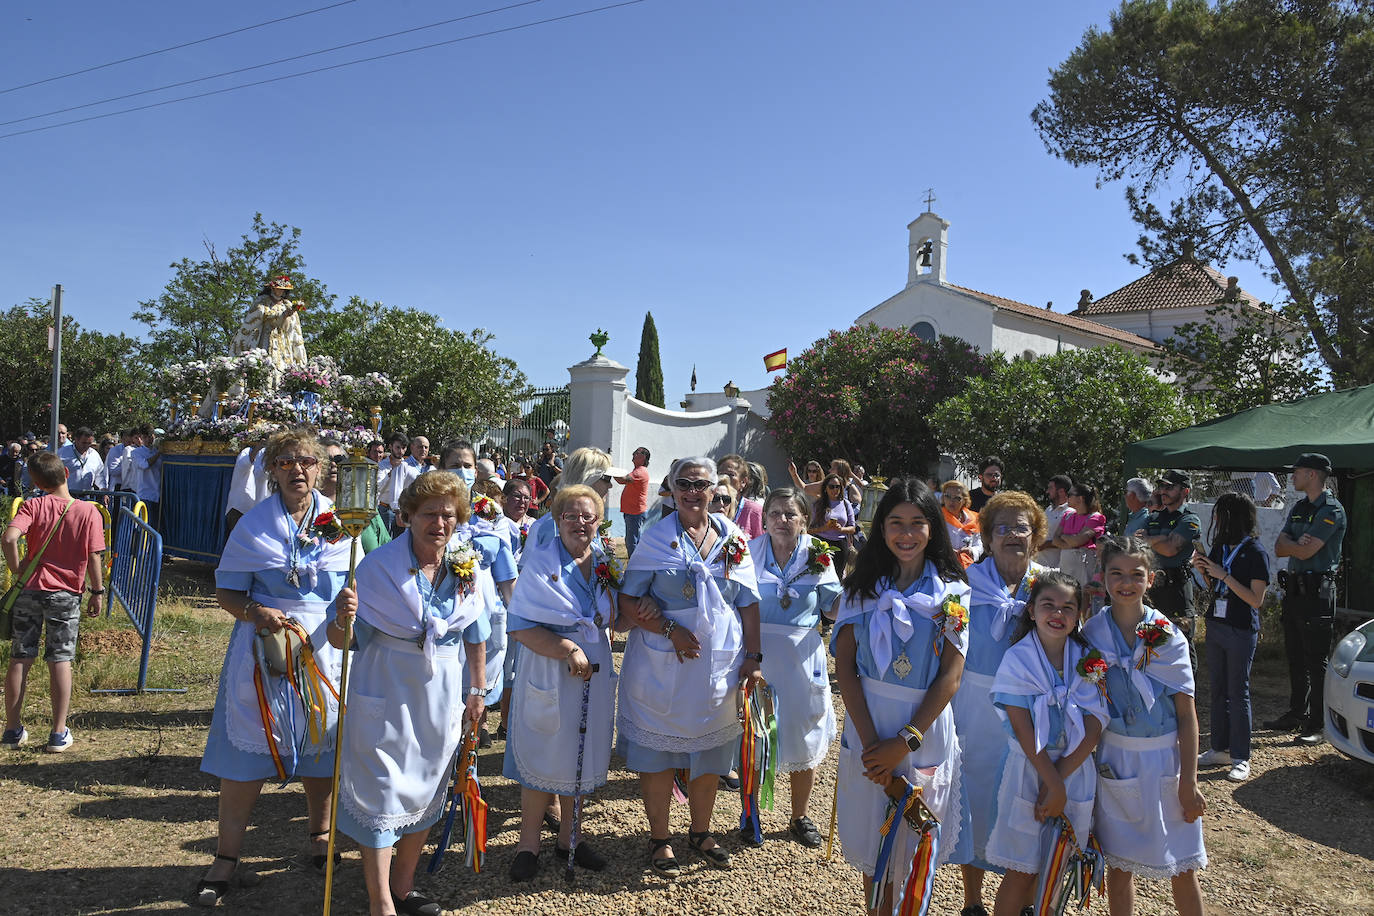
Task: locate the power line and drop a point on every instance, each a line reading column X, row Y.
column 272, row 63
column 198, row 41
column 340, row 66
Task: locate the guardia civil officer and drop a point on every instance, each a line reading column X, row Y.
column 1311, row 540
column 1171, row 532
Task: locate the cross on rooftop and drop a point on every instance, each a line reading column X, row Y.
column 930, row 199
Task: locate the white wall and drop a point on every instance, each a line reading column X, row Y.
column 669, row 434
column 952, row 313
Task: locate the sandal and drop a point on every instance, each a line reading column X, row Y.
column 667, row 866
column 210, row 893
column 317, row 861
column 715, row 856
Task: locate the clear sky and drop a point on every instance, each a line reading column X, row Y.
column 744, row 169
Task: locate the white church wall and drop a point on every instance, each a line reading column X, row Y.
column 948, row 311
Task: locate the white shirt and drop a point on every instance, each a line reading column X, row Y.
column 393, row 479
column 248, row 486
column 149, row 485
column 85, row 471
column 1050, row 555
column 115, row 463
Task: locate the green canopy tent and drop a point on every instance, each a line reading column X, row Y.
column 1339, row 424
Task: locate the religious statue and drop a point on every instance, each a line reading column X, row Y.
column 273, row 324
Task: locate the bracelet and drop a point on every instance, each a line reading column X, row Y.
column 249, row 607
column 96, row 591
column 914, row 732
column 669, row 626
column 334, row 622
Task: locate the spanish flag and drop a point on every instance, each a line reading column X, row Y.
column 775, row 361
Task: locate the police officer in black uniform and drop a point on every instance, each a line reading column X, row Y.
column 1171, row 532
column 1311, row 540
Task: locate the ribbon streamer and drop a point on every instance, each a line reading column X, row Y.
column 758, row 755
column 465, row 798
column 1070, row 872
column 308, row 682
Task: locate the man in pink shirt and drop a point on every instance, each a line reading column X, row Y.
column 53, row 595
column 634, row 498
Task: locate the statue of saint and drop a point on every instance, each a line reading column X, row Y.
column 273, row 324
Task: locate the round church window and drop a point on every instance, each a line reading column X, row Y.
column 924, row 330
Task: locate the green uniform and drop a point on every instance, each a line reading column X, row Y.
column 1325, row 521
column 1172, row 592
column 1309, row 601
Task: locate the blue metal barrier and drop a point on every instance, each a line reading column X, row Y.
column 134, row 576
column 113, row 500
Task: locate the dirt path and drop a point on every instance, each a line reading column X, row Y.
column 124, row 823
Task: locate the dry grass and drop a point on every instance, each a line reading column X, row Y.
column 124, row 822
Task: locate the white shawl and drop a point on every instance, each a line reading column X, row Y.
column 1169, row 667
column 389, row 597
column 260, row 541
column 1026, row 671
column 760, row 547
column 661, row 547
column 543, row 595
column 887, row 631
column 989, row 588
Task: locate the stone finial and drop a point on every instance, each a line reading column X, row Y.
column 1232, row 289
column 1049, row 305
column 599, row 339
column 1085, row 298
column 1189, row 249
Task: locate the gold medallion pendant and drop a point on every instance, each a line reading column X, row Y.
column 689, row 591
column 785, row 602
column 902, row 666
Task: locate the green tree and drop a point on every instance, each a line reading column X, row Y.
column 1072, row 413
column 863, row 394
column 1239, row 358
column 649, row 370
column 202, row 306
column 106, row 384
column 452, row 383
column 1259, row 116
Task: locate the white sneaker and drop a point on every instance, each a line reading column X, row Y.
column 1214, row 758
column 1240, row 771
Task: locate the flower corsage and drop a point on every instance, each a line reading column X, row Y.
column 463, row 562
column 820, row 556
column 1092, row 667
column 485, row 507
column 327, row 526
column 952, row 619
column 733, row 552
column 1153, row 634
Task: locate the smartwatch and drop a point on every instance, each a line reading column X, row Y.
column 754, row 656
column 479, row 691
column 913, row 737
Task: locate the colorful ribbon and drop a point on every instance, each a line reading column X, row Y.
column 888, row 833
column 1070, row 872
column 920, row 884
column 308, row 682
column 758, row 752
column 465, row 797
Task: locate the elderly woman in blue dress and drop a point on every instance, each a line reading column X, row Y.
column 563, row 603
column 899, row 643
column 496, row 540
column 278, row 570
column 422, row 625
column 1011, row 524
column 689, row 648
column 797, row 584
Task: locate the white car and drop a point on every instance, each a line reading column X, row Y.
column 1349, row 694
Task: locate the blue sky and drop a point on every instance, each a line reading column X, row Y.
column 744, row 170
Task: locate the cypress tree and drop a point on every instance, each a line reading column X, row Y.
column 649, row 372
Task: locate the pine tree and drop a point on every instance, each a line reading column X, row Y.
column 649, row 372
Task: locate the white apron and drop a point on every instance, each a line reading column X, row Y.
column 243, row 719
column 404, row 725
column 545, row 710
column 976, row 720
column 1018, row 841
column 795, row 666
column 935, row 768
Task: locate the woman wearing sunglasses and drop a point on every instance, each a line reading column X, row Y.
column 278, row 565
column 832, row 519
column 1012, row 524
column 376, row 533
column 692, row 643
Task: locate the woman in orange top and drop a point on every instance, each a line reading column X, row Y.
column 962, row 522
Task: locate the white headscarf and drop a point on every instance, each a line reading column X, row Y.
column 888, row 630
column 1169, row 666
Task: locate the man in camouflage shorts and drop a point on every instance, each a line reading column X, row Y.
column 52, row 596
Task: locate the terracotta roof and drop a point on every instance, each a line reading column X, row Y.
column 1049, row 316
column 1180, row 284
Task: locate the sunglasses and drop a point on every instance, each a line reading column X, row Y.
column 699, row 486
column 337, row 459
column 288, row 462
column 719, row 498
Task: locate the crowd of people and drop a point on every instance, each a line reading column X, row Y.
column 1030, row 673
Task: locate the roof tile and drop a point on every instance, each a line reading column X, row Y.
column 1049, row 316
column 1180, row 284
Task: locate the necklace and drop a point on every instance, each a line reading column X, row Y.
column 785, row 601
column 429, row 590
column 296, row 540
column 689, row 590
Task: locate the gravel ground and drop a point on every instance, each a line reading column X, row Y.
column 124, row 823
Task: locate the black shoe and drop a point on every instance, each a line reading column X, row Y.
column 585, row 856
column 210, row 893
column 551, row 822
column 667, row 866
column 1310, row 735
column 417, row 904
column 318, row 860
column 483, row 739
column 1288, row 722
column 746, row 836
column 806, row 833
column 525, row 866
column 715, row 856
column 730, row 782
column 501, row 732
column 976, row 909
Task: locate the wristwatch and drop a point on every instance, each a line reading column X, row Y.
column 96, row 591
column 913, row 737
column 755, row 656
column 479, row 691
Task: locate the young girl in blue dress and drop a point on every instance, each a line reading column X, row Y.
column 899, row 643
column 1046, row 692
column 1148, row 816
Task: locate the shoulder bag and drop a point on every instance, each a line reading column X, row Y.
column 12, row 594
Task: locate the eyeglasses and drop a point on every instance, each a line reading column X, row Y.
column 1020, row 531
column 776, row 516
column 288, row 462
column 698, row 485
column 577, row 517
column 338, row 459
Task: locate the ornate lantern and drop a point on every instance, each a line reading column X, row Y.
column 356, row 499
column 873, row 494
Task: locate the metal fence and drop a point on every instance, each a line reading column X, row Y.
column 543, row 415
column 134, row 577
